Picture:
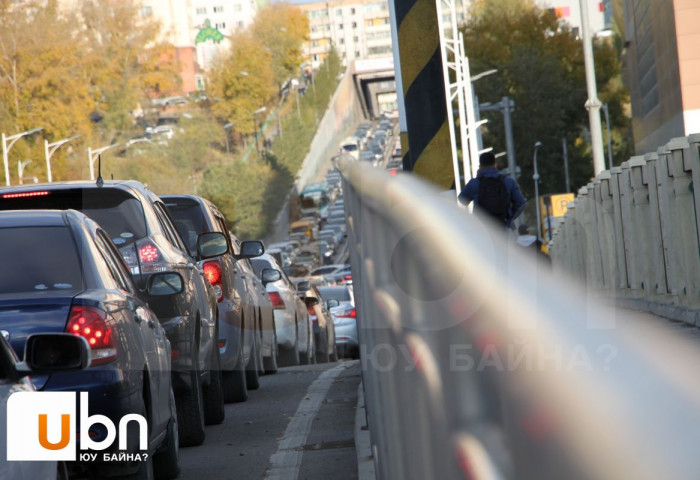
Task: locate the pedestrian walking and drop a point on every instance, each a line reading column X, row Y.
column 493, row 194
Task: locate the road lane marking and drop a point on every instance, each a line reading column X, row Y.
column 286, row 462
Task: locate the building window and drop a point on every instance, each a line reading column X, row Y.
column 220, row 26
column 240, row 24
column 201, row 10
column 218, row 9
column 352, row 11
column 342, row 41
column 354, row 24
column 340, row 26
column 338, row 12
column 238, row 7
column 146, row 11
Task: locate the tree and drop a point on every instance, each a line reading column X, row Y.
column 282, row 29
column 540, row 66
column 243, row 81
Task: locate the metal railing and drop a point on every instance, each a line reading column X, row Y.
column 479, row 363
column 633, row 232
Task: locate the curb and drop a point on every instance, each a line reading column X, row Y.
column 363, row 443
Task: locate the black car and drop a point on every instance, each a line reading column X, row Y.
column 138, row 223
column 239, row 325
column 62, row 274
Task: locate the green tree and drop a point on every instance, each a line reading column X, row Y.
column 540, row 66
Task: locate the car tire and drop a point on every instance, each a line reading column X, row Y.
column 270, row 363
column 252, row 377
column 214, row 411
column 289, row 357
column 235, row 388
column 190, row 411
column 166, row 463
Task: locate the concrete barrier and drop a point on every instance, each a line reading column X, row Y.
column 634, row 232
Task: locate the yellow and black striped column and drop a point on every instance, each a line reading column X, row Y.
column 429, row 151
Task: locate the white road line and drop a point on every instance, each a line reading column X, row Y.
column 285, row 463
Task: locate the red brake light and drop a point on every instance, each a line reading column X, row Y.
column 25, row 194
column 276, row 300
column 392, row 171
column 212, row 271
column 91, row 324
column 148, row 253
column 347, row 314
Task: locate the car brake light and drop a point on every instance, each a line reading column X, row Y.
column 276, row 300
column 212, row 270
column 312, row 314
column 25, row 194
column 91, row 324
column 392, row 171
column 350, row 313
column 148, row 253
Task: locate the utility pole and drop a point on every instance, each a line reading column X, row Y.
column 566, row 164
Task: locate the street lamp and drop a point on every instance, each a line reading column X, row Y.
column 6, row 148
column 20, row 168
column 94, row 154
column 50, row 149
column 536, row 179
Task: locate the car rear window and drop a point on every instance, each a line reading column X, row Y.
column 118, row 212
column 38, row 260
column 335, row 293
column 189, row 221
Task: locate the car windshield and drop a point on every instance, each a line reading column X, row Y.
column 117, row 211
column 39, row 260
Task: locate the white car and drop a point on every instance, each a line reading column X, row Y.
column 292, row 324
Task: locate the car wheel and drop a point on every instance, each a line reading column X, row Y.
column 290, row 357
column 235, row 388
column 214, row 412
column 252, row 377
column 190, row 409
column 166, row 463
column 270, row 363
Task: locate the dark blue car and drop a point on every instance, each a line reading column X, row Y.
column 62, row 273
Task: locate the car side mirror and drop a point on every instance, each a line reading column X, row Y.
column 54, row 352
column 304, row 286
column 270, row 275
column 211, row 244
column 251, row 249
column 332, row 303
column 164, row 284
column 311, row 301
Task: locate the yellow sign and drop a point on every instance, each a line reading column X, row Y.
column 560, row 202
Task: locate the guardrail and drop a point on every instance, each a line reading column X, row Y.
column 632, row 233
column 480, row 363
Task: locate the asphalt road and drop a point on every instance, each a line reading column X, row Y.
column 299, row 424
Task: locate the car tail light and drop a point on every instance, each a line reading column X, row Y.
column 150, row 257
column 91, row 324
column 212, row 270
column 392, row 171
column 148, row 253
column 312, row 314
column 350, row 313
column 276, row 300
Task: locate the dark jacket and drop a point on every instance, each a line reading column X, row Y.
column 471, row 192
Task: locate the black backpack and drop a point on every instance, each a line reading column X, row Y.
column 494, row 198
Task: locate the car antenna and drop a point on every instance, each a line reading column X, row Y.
column 100, row 182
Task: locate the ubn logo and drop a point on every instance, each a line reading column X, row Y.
column 42, row 425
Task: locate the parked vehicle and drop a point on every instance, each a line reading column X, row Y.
column 322, row 320
column 44, row 354
column 292, row 325
column 239, row 333
column 138, row 223
column 62, row 274
column 342, row 294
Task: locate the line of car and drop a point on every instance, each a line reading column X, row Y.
column 176, row 317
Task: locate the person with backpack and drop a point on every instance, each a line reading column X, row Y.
column 493, row 194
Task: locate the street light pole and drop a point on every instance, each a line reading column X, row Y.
column 20, row 169
column 50, row 149
column 536, row 179
column 6, row 149
column 607, row 126
column 94, row 154
column 593, row 103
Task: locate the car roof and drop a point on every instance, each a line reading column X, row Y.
column 127, row 185
column 35, row 218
